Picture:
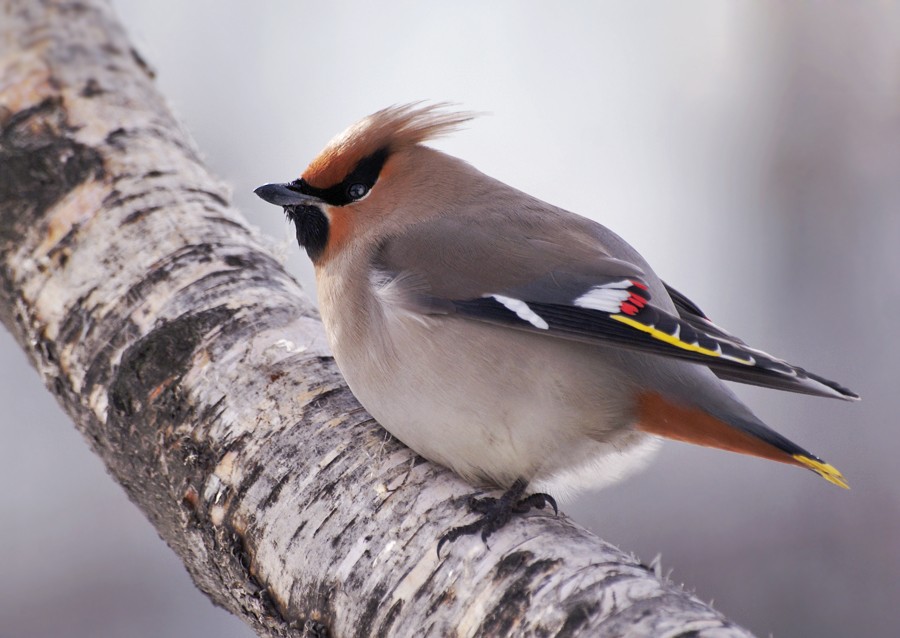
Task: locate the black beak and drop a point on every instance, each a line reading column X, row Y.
column 285, row 195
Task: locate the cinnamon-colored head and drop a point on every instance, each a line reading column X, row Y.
column 363, row 175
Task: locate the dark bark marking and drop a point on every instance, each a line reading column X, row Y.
column 117, row 140
column 113, row 137
column 321, row 606
column 47, row 349
column 296, row 535
column 314, row 629
column 185, row 256
column 322, row 399
column 243, row 555
column 191, row 499
column 276, row 491
column 214, row 196
column 139, row 214
column 72, row 327
column 237, row 261
column 337, row 457
column 510, row 609
column 617, row 577
column 143, row 65
column 92, row 88
column 385, row 627
column 576, row 618
column 447, row 596
column 224, row 220
column 63, row 248
column 339, row 537
column 370, row 612
column 631, row 616
column 41, row 163
column 324, row 522
column 212, row 412
column 115, row 198
column 192, row 454
column 511, row 564
column 160, row 359
column 124, row 330
column 250, row 478
column 59, row 387
column 116, row 333
column 218, row 279
column 256, row 266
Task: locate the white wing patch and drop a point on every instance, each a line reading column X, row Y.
column 522, row 311
column 606, row 298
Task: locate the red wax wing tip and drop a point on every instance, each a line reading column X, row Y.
column 637, row 300
column 639, row 284
column 628, row 308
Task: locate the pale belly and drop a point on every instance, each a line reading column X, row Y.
column 495, row 404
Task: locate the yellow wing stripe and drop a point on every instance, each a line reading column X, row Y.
column 826, row 471
column 663, row 336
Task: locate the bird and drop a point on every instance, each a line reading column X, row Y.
column 527, row 348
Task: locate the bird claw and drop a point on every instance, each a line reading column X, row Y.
column 481, row 505
column 497, row 512
column 536, row 501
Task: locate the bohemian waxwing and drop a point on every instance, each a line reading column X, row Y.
column 512, row 341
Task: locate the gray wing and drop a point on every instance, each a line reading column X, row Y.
column 573, row 287
column 461, row 257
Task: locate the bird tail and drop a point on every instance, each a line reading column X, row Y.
column 658, row 415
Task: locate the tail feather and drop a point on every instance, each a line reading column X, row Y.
column 823, row 469
column 663, row 417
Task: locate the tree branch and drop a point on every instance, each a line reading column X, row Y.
column 195, row 367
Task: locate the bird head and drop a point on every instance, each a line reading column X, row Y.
column 374, row 176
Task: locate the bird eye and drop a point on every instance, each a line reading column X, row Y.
column 357, row 191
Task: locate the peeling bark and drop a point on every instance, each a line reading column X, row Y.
column 196, row 368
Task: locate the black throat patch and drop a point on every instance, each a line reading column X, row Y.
column 312, row 228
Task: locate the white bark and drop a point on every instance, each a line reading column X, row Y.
column 195, row 368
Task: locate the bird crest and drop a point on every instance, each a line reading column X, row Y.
column 387, row 130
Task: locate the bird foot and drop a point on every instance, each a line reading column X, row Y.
column 497, row 512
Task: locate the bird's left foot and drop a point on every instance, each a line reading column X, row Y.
column 497, row 512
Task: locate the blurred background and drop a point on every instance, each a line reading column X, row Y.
column 749, row 149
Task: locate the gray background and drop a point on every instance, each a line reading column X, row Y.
column 748, row 149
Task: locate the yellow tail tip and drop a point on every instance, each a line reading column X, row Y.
column 826, row 471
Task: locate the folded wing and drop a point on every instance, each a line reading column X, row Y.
column 574, row 289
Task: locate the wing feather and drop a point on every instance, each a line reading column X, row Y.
column 588, row 286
